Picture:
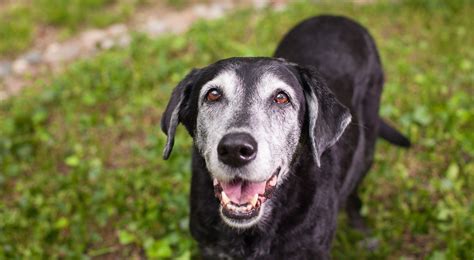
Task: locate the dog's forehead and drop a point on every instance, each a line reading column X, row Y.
column 254, row 74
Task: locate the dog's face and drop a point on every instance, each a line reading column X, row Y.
column 246, row 116
column 247, row 130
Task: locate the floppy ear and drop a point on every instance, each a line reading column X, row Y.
column 328, row 118
column 171, row 117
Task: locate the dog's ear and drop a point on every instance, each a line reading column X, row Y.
column 328, row 118
column 171, row 117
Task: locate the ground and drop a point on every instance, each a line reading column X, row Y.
column 81, row 172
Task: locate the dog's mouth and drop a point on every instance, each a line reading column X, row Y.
column 241, row 199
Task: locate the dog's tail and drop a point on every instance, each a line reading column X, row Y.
column 392, row 135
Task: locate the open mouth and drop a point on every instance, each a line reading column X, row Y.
column 241, row 199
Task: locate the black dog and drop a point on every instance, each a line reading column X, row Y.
column 280, row 144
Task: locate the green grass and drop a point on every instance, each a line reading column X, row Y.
column 75, row 13
column 20, row 21
column 16, row 30
column 81, row 172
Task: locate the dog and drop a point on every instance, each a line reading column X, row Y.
column 281, row 143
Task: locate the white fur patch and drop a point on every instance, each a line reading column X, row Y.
column 274, row 127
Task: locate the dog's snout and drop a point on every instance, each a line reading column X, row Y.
column 237, row 149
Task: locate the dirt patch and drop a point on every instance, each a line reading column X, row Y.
column 49, row 55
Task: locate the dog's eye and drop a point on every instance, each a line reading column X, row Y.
column 213, row 95
column 281, row 98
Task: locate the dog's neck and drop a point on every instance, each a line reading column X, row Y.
column 290, row 205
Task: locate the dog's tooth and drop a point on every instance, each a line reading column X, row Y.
column 224, row 197
column 249, row 207
column 254, row 200
column 215, row 182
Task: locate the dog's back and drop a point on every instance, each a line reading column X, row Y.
column 346, row 56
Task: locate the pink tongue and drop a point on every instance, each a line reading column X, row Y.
column 241, row 192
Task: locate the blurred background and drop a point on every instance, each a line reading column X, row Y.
column 83, row 84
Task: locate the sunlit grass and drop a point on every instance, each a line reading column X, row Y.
column 20, row 20
column 81, row 172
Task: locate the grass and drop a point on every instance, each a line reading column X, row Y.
column 20, row 21
column 73, row 14
column 81, row 173
column 16, row 30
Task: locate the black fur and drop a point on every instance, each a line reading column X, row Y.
column 332, row 57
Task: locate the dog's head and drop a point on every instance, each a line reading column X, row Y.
column 246, row 116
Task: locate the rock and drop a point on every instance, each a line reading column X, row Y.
column 117, row 30
column 107, row 44
column 260, row 4
column 213, row 11
column 62, row 52
column 33, row 57
column 91, row 39
column 216, row 10
column 179, row 22
column 154, row 27
column 20, row 66
column 124, row 40
column 5, row 69
column 280, row 6
column 200, row 10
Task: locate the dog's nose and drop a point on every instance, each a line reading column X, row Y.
column 237, row 149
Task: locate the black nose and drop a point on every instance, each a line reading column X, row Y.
column 237, row 149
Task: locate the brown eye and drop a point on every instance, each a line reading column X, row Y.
column 281, row 98
column 213, row 95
